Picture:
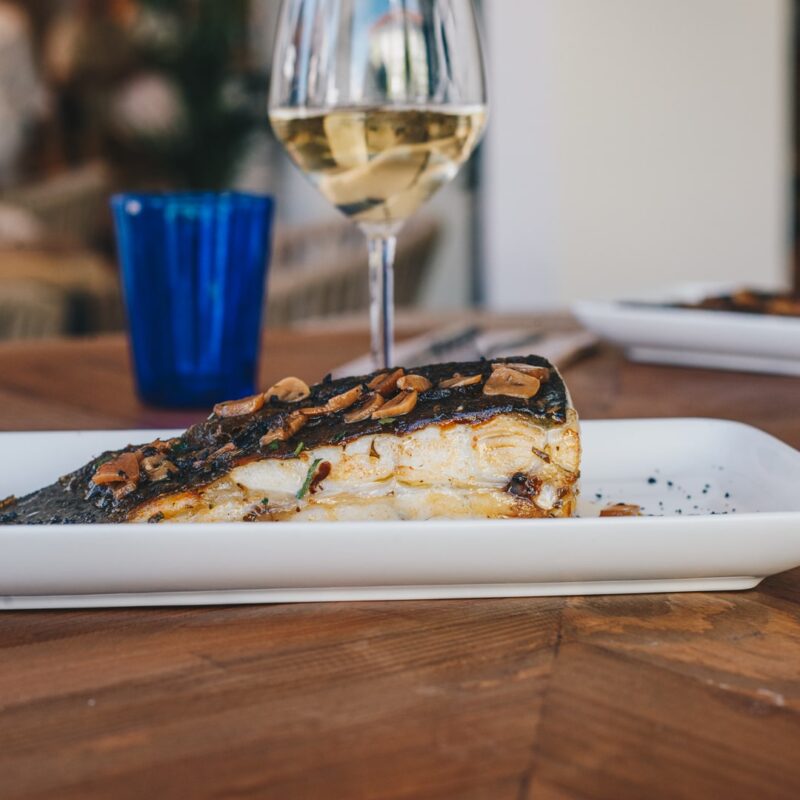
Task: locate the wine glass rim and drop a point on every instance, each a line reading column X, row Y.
column 405, row 105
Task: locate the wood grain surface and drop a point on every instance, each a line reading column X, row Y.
column 603, row 698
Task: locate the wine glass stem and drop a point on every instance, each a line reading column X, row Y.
column 381, row 298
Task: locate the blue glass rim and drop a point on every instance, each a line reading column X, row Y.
column 183, row 199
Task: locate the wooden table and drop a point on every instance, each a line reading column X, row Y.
column 667, row 696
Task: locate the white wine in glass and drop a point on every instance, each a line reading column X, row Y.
column 379, row 103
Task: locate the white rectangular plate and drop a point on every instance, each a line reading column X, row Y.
column 694, row 337
column 724, row 500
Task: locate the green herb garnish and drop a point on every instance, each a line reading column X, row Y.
column 273, row 445
column 265, row 501
column 309, row 477
column 337, row 437
column 387, row 420
column 299, row 449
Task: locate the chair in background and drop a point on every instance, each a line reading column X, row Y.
column 317, row 271
column 71, row 206
column 51, row 281
column 84, row 286
column 31, row 311
column 321, row 270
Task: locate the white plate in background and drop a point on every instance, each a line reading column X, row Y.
column 730, row 340
column 724, row 500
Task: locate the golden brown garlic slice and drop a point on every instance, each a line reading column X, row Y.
column 386, row 383
column 282, row 433
column 123, row 490
column 163, row 445
column 512, row 383
column 399, row 405
column 337, row 403
column 419, row 383
column 622, row 510
column 238, row 408
column 230, row 447
column 785, row 306
column 122, row 469
column 542, row 373
column 163, row 472
column 288, row 390
column 158, row 467
column 372, row 402
column 460, row 380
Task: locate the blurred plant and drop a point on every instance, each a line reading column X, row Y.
column 150, row 108
column 184, row 116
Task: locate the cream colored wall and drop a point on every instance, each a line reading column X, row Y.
column 634, row 143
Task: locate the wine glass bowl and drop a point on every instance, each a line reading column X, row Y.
column 379, row 103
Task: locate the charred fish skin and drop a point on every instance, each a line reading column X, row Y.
column 224, row 467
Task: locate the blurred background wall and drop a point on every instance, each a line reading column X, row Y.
column 631, row 144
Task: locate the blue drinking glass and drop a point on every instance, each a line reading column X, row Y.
column 193, row 268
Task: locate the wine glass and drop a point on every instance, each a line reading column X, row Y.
column 379, row 103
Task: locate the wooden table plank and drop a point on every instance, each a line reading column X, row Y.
column 70, row 382
column 666, row 696
column 402, row 687
column 614, row 728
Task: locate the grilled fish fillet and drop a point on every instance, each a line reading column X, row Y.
column 483, row 440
